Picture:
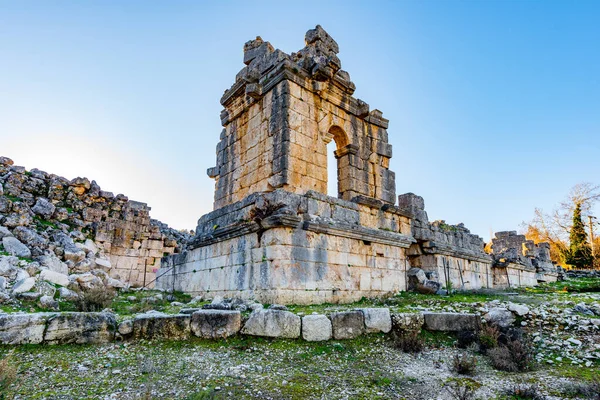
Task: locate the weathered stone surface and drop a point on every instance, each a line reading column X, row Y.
column 216, row 324
column 48, row 303
column 4, row 232
column 348, row 324
column 273, row 323
column 53, row 263
column 23, row 328
column 160, row 326
column 8, row 266
column 520, row 309
column 316, row 328
column 126, row 327
column 24, row 285
column 451, row 322
column 67, row 294
column 80, row 328
column 377, row 319
column 14, row 247
column 54, row 277
column 44, row 208
column 407, row 322
column 500, row 317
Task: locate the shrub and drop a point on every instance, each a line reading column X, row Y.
column 587, row 390
column 524, row 392
column 465, row 338
column 515, row 356
column 462, row 388
column 8, row 375
column 464, row 364
column 488, row 338
column 96, row 299
column 408, row 342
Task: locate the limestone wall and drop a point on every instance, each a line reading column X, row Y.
column 288, row 248
column 289, row 266
column 463, row 274
column 279, row 116
column 514, row 275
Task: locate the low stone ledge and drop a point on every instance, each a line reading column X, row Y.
column 451, row 322
column 215, row 324
column 23, row 328
column 407, row 322
column 162, row 326
column 80, row 328
column 316, row 328
column 377, row 319
column 273, row 323
column 348, row 324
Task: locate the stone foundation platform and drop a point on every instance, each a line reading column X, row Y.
column 286, row 248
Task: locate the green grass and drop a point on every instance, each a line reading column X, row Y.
column 44, row 223
column 579, row 285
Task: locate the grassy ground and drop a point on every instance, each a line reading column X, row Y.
column 242, row 368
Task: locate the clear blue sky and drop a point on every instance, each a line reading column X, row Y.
column 494, row 107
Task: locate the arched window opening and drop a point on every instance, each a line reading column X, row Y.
column 332, row 171
column 336, row 140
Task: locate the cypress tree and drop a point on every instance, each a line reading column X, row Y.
column 579, row 254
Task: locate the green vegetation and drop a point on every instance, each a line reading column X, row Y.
column 44, row 223
column 12, row 198
column 579, row 254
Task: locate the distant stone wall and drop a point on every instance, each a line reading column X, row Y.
column 526, row 261
column 449, row 254
column 128, row 244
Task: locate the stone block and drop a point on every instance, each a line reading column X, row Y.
column 377, row 319
column 161, row 326
column 316, row 328
column 80, row 328
column 23, row 328
column 273, row 323
column 215, row 324
column 54, row 277
column 451, row 322
column 348, row 324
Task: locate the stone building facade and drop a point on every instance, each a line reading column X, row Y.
column 274, row 234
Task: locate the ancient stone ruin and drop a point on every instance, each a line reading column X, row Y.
column 276, row 236
column 73, row 233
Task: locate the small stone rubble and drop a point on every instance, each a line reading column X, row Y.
column 73, row 236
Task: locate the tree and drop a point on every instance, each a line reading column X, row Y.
column 555, row 227
column 579, row 254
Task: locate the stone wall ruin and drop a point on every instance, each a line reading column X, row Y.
column 275, row 235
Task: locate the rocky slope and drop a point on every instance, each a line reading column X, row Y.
column 60, row 236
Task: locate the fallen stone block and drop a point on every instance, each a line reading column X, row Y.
column 348, row 324
column 451, row 322
column 499, row 317
column 316, row 328
column 80, row 328
column 377, row 319
column 24, row 285
column 161, row 326
column 54, row 277
column 23, row 328
column 216, row 324
column 407, row 322
column 14, row 247
column 273, row 323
